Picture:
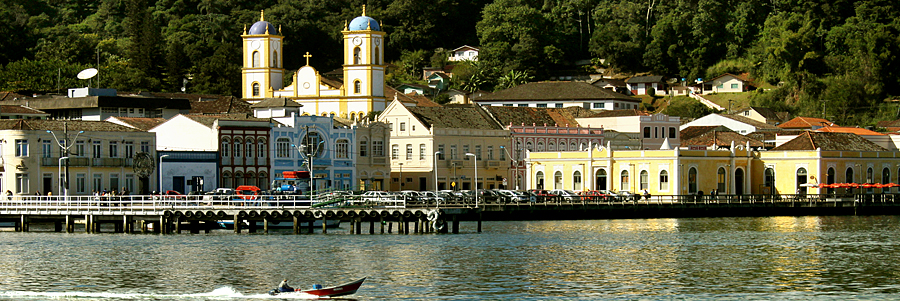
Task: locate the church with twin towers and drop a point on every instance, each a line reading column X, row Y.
column 362, row 89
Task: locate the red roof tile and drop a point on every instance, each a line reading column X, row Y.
column 805, row 123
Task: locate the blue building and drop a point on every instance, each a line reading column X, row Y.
column 296, row 138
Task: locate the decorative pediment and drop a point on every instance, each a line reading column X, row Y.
column 21, row 166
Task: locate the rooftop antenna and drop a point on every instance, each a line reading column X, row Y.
column 87, row 74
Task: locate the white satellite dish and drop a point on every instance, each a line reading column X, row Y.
column 87, row 73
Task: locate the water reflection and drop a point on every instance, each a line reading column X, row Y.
column 703, row 258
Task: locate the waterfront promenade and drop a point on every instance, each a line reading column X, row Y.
column 174, row 214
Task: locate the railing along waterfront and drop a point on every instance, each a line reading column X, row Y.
column 155, row 203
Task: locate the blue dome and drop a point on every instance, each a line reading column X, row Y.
column 260, row 28
column 363, row 23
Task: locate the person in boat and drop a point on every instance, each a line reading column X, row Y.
column 284, row 287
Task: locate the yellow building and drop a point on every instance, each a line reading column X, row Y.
column 797, row 167
column 429, row 142
column 362, row 90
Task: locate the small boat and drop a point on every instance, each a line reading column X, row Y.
column 326, row 292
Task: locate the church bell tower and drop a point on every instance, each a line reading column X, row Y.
column 364, row 60
column 262, row 70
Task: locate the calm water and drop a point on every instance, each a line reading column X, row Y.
column 835, row 258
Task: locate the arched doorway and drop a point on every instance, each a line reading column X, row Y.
column 801, row 179
column 539, row 180
column 829, row 179
column 848, row 177
column 720, row 181
column 557, row 180
column 739, row 181
column 692, row 180
column 600, row 183
column 769, row 181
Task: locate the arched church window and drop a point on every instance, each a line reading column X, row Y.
column 357, row 86
column 255, row 59
column 356, row 57
column 255, row 89
column 376, row 56
column 275, row 59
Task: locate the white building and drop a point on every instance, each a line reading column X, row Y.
column 464, row 53
column 654, row 129
column 559, row 94
column 741, row 125
column 101, row 156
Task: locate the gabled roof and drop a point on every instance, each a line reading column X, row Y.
column 698, row 130
column 621, row 113
column 418, row 86
column 7, row 95
column 464, row 47
column 61, row 125
column 744, row 77
column 280, row 102
column 331, row 82
column 20, row 110
column 209, row 120
column 844, row 129
column 757, row 124
column 556, row 90
column 721, row 139
column 765, row 112
column 828, row 141
column 56, row 103
column 140, row 123
column 418, row 100
column 610, row 81
column 891, row 125
column 805, row 123
column 442, row 75
column 456, row 116
column 645, row 79
column 536, row 116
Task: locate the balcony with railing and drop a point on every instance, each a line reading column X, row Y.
column 84, row 162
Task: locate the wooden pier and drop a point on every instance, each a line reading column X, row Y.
column 154, row 214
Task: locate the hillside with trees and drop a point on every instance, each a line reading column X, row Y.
column 841, row 57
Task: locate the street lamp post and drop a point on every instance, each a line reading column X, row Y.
column 401, row 177
column 309, row 158
column 476, row 177
column 62, row 187
column 435, row 172
column 161, row 173
column 64, row 183
column 515, row 177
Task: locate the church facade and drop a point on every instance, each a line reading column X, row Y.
column 361, row 92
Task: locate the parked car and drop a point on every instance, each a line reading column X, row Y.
column 431, row 197
column 540, row 194
column 596, row 195
column 566, row 195
column 511, row 196
column 375, row 196
column 412, row 197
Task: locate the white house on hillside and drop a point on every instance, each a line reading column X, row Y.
column 464, row 53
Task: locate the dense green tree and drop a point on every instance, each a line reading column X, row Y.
column 512, row 79
column 50, row 75
column 511, row 37
column 621, row 34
